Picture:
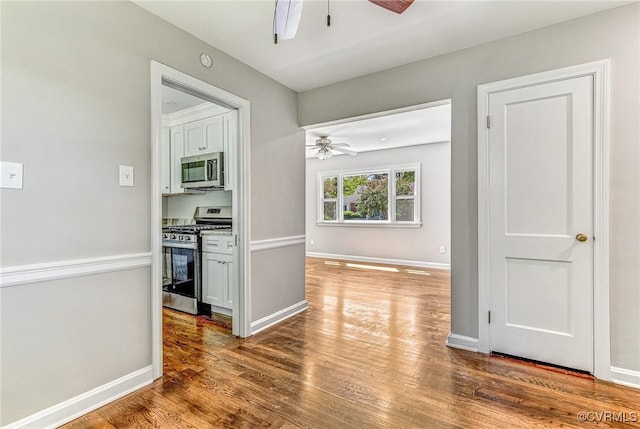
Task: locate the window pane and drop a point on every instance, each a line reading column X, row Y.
column 404, row 210
column 366, row 197
column 330, row 210
column 405, row 182
column 330, row 187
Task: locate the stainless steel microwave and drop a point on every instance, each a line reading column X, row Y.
column 203, row 171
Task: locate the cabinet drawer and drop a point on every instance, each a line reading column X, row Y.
column 217, row 244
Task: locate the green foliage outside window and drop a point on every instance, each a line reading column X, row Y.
column 366, row 196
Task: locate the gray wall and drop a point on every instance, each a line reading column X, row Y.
column 64, row 337
column 611, row 34
column 409, row 244
column 75, row 105
column 273, row 266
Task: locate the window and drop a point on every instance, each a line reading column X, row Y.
column 405, row 195
column 329, row 198
column 381, row 196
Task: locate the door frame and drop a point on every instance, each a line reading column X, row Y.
column 241, row 202
column 600, row 71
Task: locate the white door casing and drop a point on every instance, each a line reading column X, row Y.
column 241, row 203
column 547, row 292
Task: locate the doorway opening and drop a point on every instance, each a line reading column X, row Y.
column 198, row 130
column 378, row 187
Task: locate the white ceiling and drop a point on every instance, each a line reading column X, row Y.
column 427, row 125
column 363, row 38
column 174, row 100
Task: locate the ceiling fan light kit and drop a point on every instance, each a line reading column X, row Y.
column 324, row 153
column 326, row 148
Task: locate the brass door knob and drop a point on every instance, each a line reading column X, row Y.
column 581, row 237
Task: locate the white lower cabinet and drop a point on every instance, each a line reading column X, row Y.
column 217, row 269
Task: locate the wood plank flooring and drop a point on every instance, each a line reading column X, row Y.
column 369, row 353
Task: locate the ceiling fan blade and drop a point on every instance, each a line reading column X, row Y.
column 397, row 6
column 340, row 144
column 345, row 151
column 286, row 19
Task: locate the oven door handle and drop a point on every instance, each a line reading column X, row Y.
column 181, row 246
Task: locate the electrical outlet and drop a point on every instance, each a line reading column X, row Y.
column 126, row 175
column 443, row 249
column 311, row 242
column 11, row 174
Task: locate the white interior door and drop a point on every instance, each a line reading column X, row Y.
column 540, row 210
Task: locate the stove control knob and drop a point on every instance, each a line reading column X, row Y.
column 173, row 236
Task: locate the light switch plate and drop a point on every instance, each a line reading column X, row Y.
column 126, row 175
column 11, row 175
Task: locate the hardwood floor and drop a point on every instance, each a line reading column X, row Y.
column 368, row 353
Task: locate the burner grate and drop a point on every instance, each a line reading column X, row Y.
column 193, row 229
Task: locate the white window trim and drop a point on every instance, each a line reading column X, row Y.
column 391, row 222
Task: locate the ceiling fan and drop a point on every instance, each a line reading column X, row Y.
column 326, row 148
column 287, row 13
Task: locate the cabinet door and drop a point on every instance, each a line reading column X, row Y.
column 214, row 135
column 165, row 160
column 176, row 154
column 215, row 277
column 230, row 143
column 194, row 142
column 229, row 285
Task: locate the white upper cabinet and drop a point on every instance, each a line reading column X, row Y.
column 204, row 136
column 176, row 154
column 214, row 136
column 198, row 132
column 171, row 151
column 194, row 141
column 165, row 160
column 230, row 143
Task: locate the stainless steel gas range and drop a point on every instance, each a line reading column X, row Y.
column 182, row 253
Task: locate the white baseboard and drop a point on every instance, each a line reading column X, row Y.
column 626, row 377
column 436, row 265
column 27, row 274
column 278, row 316
column 73, row 408
column 462, row 342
